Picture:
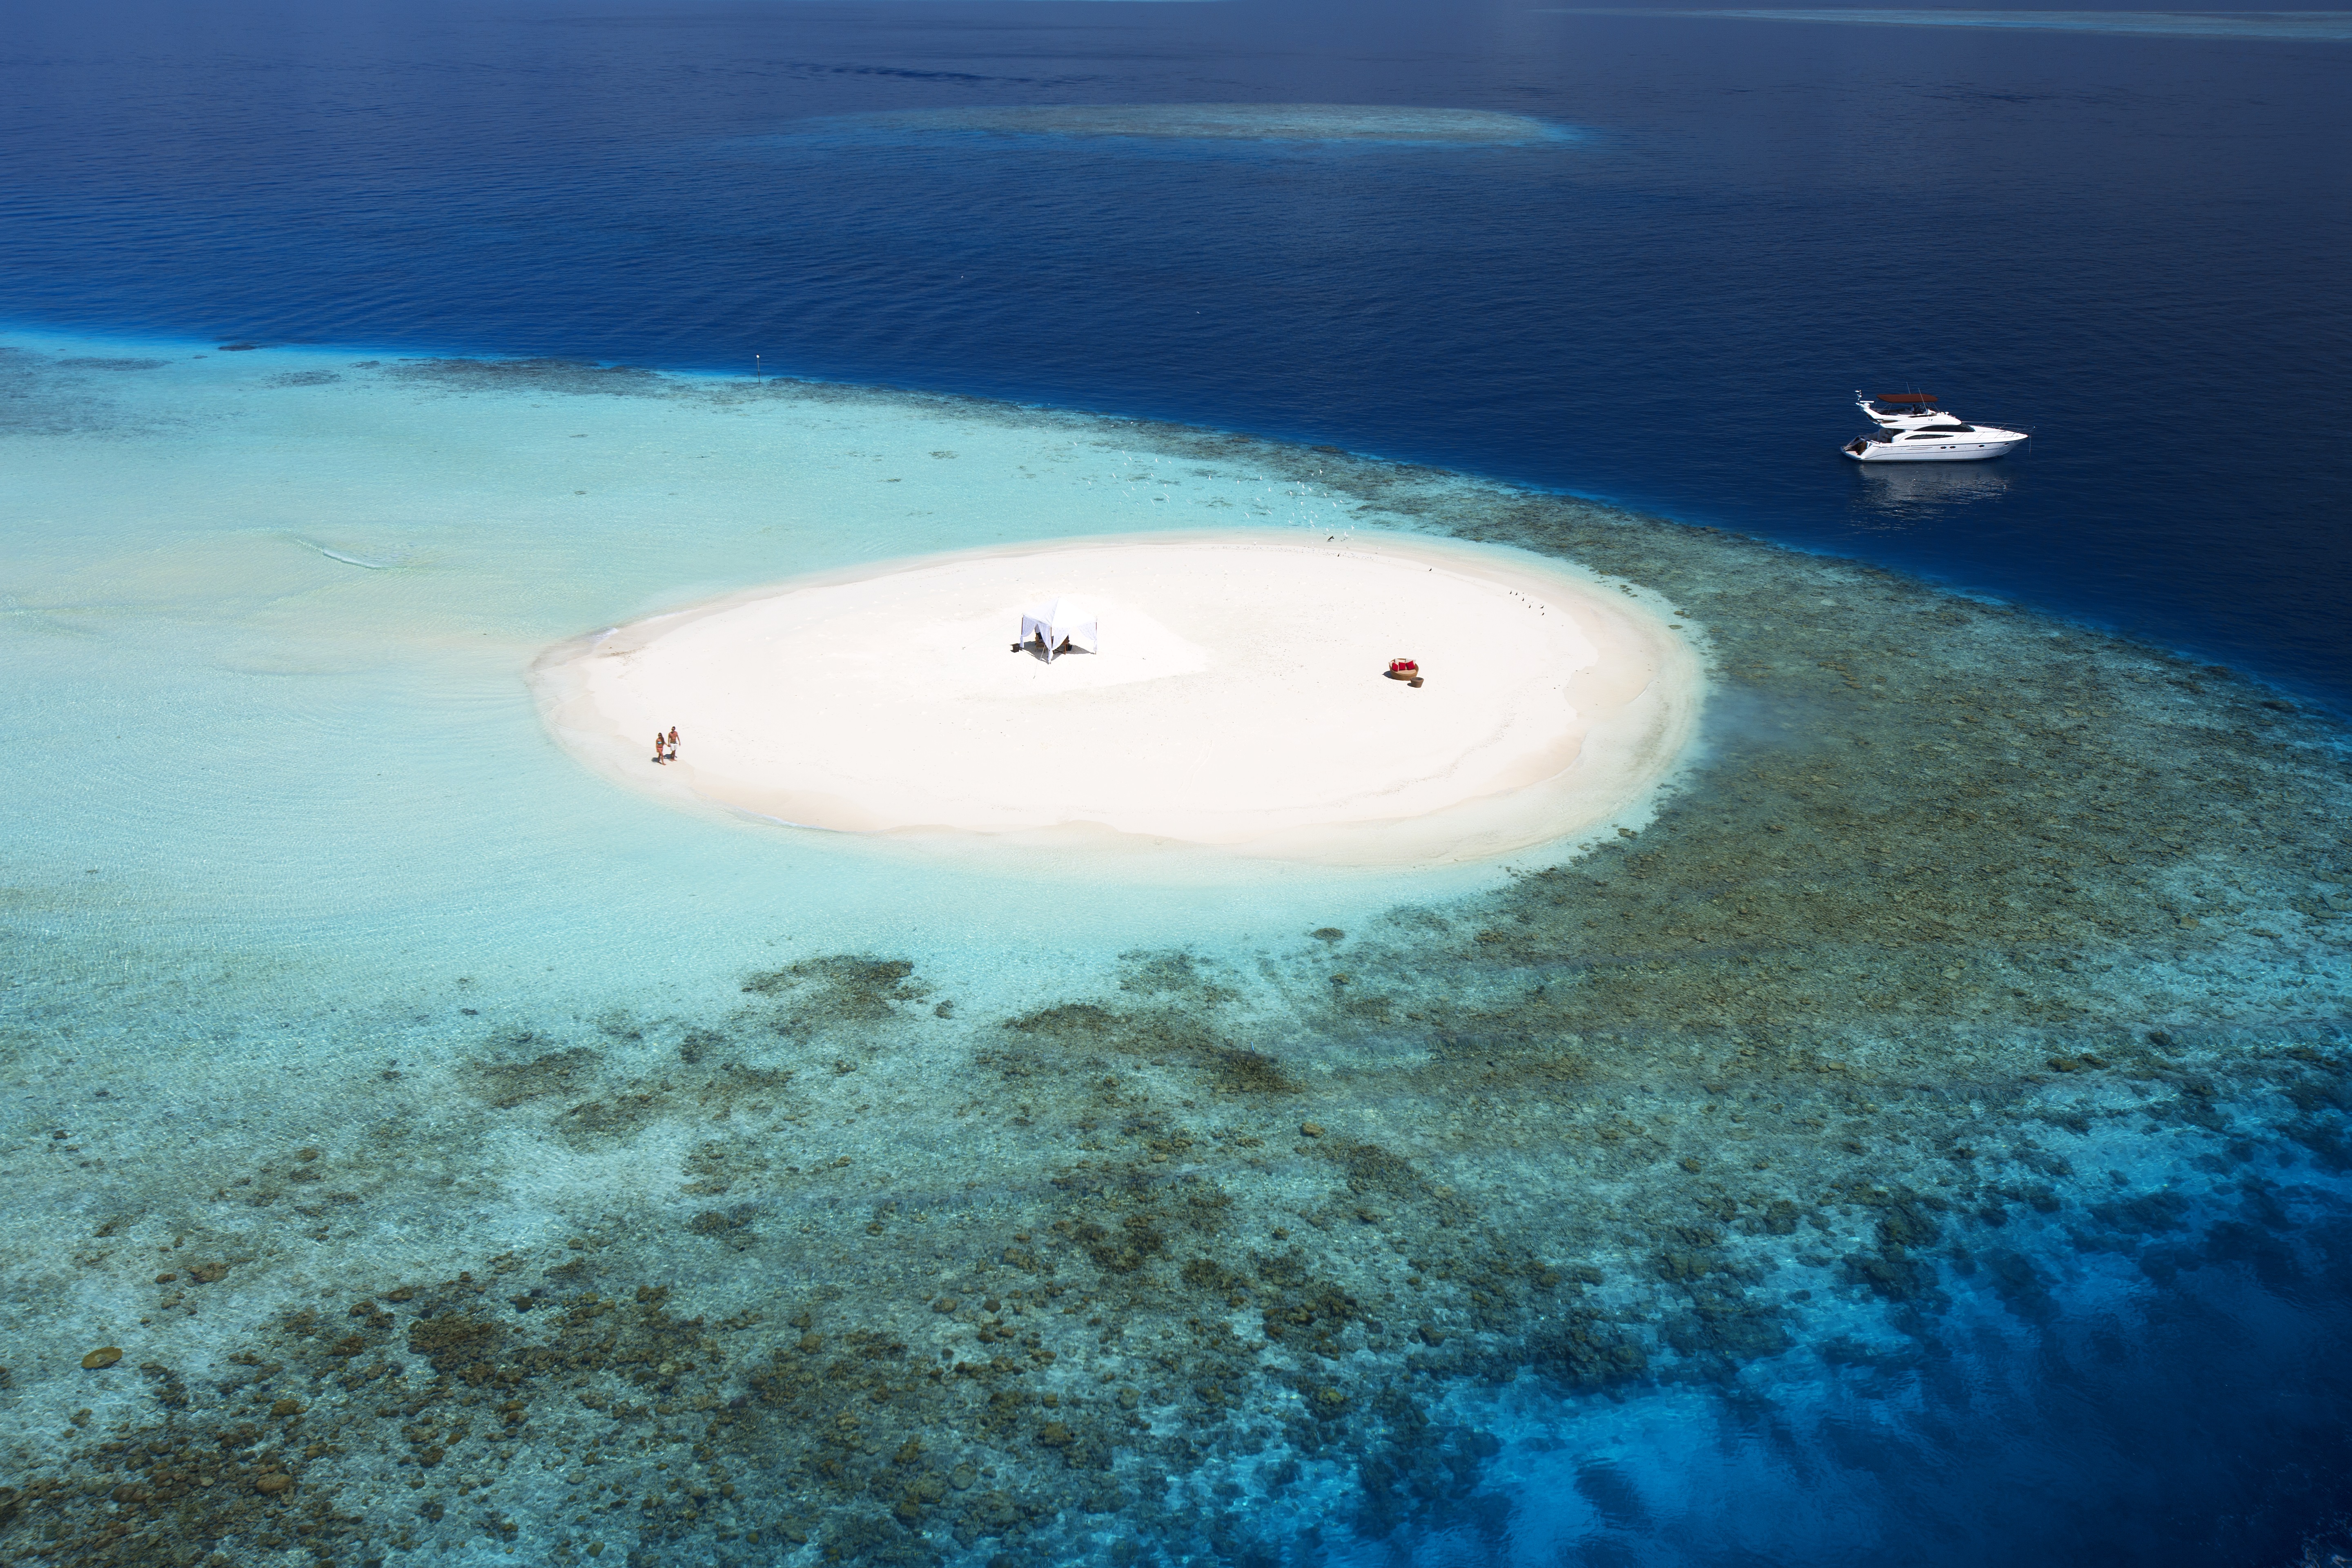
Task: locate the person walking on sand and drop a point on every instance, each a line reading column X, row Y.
column 659, row 755
column 673, row 743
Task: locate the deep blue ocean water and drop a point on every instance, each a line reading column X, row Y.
column 2132, row 245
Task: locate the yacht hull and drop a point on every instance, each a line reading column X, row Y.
column 1942, row 452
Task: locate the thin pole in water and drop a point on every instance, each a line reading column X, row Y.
column 756, row 374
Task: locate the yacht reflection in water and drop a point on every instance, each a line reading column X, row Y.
column 1898, row 495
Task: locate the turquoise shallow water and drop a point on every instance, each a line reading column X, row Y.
column 1939, row 1098
column 301, row 592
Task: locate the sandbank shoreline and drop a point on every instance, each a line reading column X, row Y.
column 1237, row 704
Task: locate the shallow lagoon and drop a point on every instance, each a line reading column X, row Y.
column 1948, row 1074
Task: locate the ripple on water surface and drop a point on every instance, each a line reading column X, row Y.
column 2301, row 26
column 1270, row 123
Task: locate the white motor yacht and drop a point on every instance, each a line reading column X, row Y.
column 1919, row 432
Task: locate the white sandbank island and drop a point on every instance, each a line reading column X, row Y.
column 1238, row 699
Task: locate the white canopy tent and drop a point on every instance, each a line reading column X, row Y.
column 1063, row 620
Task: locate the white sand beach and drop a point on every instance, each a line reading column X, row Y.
column 1238, row 699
